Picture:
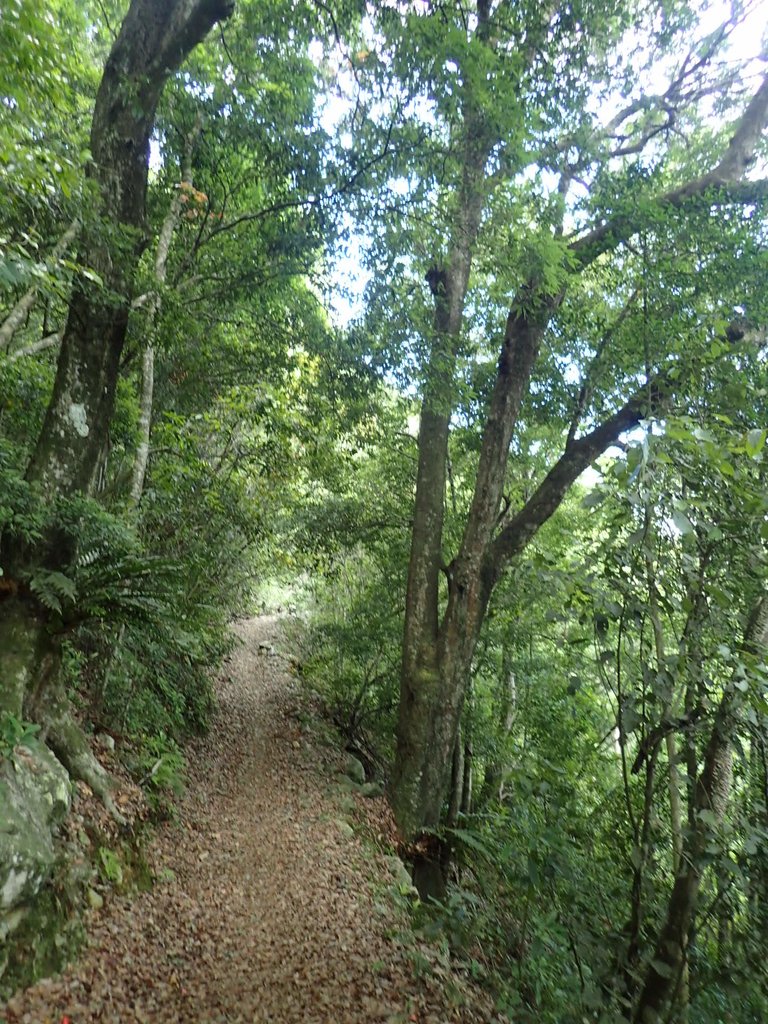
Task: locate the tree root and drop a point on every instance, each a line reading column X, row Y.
column 34, row 689
column 70, row 744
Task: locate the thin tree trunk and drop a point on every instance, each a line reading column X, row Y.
column 466, row 783
column 146, row 399
column 710, row 802
column 167, row 231
column 495, row 776
column 670, row 741
column 457, row 782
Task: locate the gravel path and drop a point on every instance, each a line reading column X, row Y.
column 270, row 911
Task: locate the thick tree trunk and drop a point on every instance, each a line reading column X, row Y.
column 153, row 41
column 438, row 652
column 438, row 655
column 423, row 761
column 27, row 652
column 31, row 656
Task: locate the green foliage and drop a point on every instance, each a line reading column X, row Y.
column 13, row 733
column 110, row 866
column 282, row 447
column 160, row 769
column 352, row 653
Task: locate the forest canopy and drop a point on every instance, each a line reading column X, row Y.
column 450, row 321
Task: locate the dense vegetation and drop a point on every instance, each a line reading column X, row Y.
column 519, row 486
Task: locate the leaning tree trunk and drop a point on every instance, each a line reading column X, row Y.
column 497, row 771
column 153, row 41
column 167, row 231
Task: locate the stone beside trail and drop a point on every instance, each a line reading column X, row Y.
column 269, row 908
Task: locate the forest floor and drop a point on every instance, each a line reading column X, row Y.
column 274, row 902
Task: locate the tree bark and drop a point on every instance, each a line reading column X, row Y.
column 27, row 652
column 153, row 41
column 438, row 652
column 423, row 759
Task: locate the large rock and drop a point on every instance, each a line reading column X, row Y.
column 354, row 770
column 34, row 799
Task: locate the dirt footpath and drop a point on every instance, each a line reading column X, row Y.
column 269, row 909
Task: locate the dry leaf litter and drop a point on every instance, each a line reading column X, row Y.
column 269, row 908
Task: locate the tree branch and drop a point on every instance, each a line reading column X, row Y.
column 16, row 317
column 726, row 182
column 36, row 346
column 581, row 453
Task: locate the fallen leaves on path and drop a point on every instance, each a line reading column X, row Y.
column 267, row 911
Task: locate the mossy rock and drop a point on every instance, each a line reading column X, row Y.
column 354, row 770
column 34, row 799
column 372, row 789
column 344, row 828
column 41, row 937
column 400, row 875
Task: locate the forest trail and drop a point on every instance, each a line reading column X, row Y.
column 269, row 909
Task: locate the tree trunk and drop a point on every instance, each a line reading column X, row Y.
column 146, row 401
column 457, row 782
column 438, row 656
column 426, row 739
column 670, row 740
column 27, row 653
column 31, row 656
column 495, row 775
column 153, row 41
column 170, row 224
column 466, row 781
column 710, row 801
column 438, row 650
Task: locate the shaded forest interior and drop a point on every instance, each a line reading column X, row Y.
column 444, row 324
